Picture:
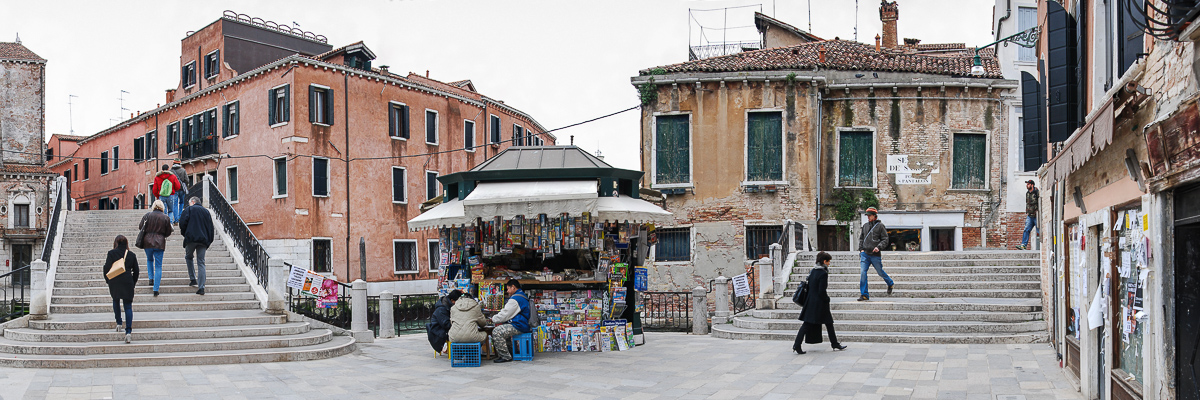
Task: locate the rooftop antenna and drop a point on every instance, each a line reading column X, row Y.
column 71, row 112
column 855, row 20
column 809, row 16
column 122, row 111
column 18, row 38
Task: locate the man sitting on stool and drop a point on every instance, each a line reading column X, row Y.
column 517, row 313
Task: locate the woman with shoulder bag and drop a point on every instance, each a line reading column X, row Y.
column 121, row 273
column 816, row 307
column 155, row 228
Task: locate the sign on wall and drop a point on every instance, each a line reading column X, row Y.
column 905, row 166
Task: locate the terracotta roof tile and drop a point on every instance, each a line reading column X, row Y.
column 70, row 138
column 24, row 169
column 16, row 51
column 842, row 55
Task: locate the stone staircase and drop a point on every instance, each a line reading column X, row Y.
column 179, row 327
column 939, row 297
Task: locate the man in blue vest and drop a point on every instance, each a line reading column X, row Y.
column 516, row 313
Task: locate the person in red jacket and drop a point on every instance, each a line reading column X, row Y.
column 176, row 186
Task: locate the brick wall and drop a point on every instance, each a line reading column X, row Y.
column 971, row 237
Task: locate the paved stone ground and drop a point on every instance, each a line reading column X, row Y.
column 668, row 366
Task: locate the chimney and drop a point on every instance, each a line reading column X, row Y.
column 889, row 12
column 383, row 69
column 426, row 73
column 821, row 54
column 911, row 43
column 170, row 95
column 876, row 42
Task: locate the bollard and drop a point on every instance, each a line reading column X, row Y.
column 358, row 313
column 39, row 305
column 204, row 197
column 699, row 311
column 277, row 275
column 387, row 325
column 721, row 296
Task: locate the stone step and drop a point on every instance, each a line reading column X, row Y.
column 855, row 270
column 168, row 265
column 1006, row 293
column 209, row 289
column 336, row 346
column 110, row 334
column 905, row 305
column 927, row 255
column 940, row 316
column 142, row 261
column 877, row 284
column 983, row 262
column 163, row 297
column 931, row 277
column 88, row 252
column 92, row 279
column 729, row 331
column 141, row 345
column 167, row 319
column 139, row 306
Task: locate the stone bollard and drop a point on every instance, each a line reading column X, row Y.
column 358, row 312
column 699, row 311
column 205, row 195
column 387, row 324
column 277, row 275
column 721, row 296
column 39, row 301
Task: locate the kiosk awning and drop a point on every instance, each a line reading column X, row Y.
column 446, row 214
column 622, row 209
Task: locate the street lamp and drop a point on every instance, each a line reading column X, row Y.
column 1026, row 38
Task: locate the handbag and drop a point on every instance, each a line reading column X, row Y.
column 140, row 242
column 118, row 267
column 801, row 295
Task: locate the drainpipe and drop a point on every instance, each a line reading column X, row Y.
column 346, row 125
column 820, row 137
column 1007, row 13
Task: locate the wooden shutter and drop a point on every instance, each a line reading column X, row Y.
column 281, row 176
column 397, row 184
column 312, row 104
column 672, row 150
column 970, row 160
column 1031, row 127
column 856, row 159
column 328, row 106
column 271, row 119
column 320, row 177
column 404, row 122
column 764, row 150
column 1063, row 85
column 392, row 128
column 287, row 104
column 1131, row 39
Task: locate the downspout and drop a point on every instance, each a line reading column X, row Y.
column 346, row 156
column 1007, row 13
column 820, row 138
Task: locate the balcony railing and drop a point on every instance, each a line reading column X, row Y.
column 198, row 148
column 721, row 49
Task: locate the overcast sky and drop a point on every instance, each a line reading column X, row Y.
column 561, row 61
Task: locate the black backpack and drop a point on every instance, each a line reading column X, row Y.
column 801, row 295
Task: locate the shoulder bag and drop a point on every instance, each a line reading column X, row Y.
column 801, row 295
column 118, row 267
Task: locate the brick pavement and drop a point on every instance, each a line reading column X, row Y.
column 668, row 366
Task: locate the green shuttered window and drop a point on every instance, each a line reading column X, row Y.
column 856, row 159
column 764, row 146
column 970, row 161
column 672, row 150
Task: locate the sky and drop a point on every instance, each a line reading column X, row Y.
column 561, row 61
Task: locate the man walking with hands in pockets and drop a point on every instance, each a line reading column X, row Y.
column 196, row 224
column 874, row 238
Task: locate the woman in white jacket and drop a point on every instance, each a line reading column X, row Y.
column 467, row 321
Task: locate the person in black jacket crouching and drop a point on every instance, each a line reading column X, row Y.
column 816, row 307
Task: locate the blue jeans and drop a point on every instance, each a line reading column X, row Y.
column 866, row 261
column 154, row 265
column 170, row 201
column 128, row 313
column 1030, row 224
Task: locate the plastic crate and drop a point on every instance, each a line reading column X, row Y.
column 464, row 354
column 522, row 347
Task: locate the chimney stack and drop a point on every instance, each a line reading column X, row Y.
column 876, row 42
column 821, row 54
column 383, row 69
column 889, row 12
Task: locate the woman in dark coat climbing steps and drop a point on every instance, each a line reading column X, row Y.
column 816, row 307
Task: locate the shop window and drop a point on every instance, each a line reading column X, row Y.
column 398, row 178
column 495, row 127
column 320, row 174
column 903, row 240
column 322, row 255
column 431, row 185
column 764, row 146
column 469, row 135
column 231, row 182
column 187, row 75
column 232, row 120
column 970, row 161
column 212, row 64
column 320, row 105
column 279, row 105
column 759, row 239
column 431, row 127
column 404, row 252
column 281, row 177
column 856, row 159
column 434, row 255
column 398, row 120
column 139, row 149
column 674, row 244
column 20, row 215
column 672, row 150
column 104, row 163
column 1129, row 296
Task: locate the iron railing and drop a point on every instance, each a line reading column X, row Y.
column 759, row 239
column 721, row 49
column 666, row 311
column 338, row 315
column 52, row 230
column 410, row 312
column 245, row 241
column 198, row 148
column 747, row 302
column 13, row 300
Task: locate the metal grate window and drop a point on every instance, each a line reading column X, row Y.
column 405, row 256
column 759, row 239
column 322, row 255
column 434, row 255
column 674, row 244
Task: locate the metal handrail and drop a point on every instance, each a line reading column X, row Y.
column 253, row 254
column 52, row 230
column 17, row 304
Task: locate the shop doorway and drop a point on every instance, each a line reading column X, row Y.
column 1187, row 293
column 22, row 256
column 833, row 238
column 1101, row 272
column 942, row 239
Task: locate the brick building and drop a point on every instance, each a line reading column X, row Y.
column 742, row 143
column 24, row 179
column 314, row 146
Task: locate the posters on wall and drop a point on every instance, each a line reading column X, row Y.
column 313, row 285
column 741, row 285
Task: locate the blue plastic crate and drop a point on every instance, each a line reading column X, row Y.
column 464, row 354
column 522, row 347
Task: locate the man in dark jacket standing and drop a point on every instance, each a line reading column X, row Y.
column 438, row 328
column 196, row 224
column 1031, row 213
column 874, row 238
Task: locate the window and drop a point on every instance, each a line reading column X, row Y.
column 21, row 215
column 672, row 150
column 398, row 193
column 50, row 155
column 404, row 252
column 187, row 75
column 231, row 188
column 434, row 254
column 320, row 176
column 322, row 255
column 856, row 159
column 139, row 201
column 104, row 163
column 139, row 149
column 187, row 130
column 759, row 239
column 232, row 122
column 278, row 105
column 674, row 244
column 431, row 127
column 86, row 170
column 469, row 135
column 495, row 125
column 76, row 175
column 431, row 185
column 518, row 135
column 397, row 121
column 281, row 177
column 764, row 146
column 970, row 161
column 151, row 150
column 172, row 137
column 320, row 105
column 116, row 156
column 1026, row 18
column 212, row 64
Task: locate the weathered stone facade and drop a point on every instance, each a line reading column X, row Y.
column 24, row 181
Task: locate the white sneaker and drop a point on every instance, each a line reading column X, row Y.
column 119, row 327
column 128, row 337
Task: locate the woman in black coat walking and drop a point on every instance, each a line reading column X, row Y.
column 816, row 307
column 120, row 287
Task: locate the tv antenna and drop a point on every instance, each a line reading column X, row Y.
column 121, row 98
column 855, row 20
column 71, row 112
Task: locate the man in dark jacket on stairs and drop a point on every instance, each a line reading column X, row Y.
column 196, row 224
column 874, row 238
